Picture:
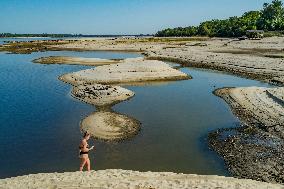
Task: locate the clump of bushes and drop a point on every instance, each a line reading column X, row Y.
column 270, row 18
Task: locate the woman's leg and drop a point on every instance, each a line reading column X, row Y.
column 83, row 162
column 88, row 162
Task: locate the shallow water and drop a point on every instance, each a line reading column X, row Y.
column 39, row 121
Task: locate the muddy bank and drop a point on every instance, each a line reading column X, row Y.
column 255, row 149
column 250, row 152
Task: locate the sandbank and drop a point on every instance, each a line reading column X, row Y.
column 131, row 70
column 110, row 125
column 258, row 106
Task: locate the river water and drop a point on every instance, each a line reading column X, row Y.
column 39, row 120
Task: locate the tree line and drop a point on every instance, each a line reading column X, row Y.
column 67, row 35
column 270, row 18
column 38, row 35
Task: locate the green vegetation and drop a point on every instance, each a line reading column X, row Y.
column 270, row 18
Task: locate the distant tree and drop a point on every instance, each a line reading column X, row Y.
column 272, row 16
column 249, row 20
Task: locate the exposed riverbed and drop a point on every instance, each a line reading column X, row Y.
column 40, row 120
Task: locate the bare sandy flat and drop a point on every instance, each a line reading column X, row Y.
column 256, row 59
column 131, row 70
column 101, row 95
column 74, row 60
column 110, row 125
column 125, row 179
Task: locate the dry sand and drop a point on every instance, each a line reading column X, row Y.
column 101, row 95
column 74, row 60
column 110, row 125
column 131, row 70
column 124, row 179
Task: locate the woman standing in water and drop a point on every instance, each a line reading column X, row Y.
column 84, row 150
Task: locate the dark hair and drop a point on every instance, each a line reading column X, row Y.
column 86, row 134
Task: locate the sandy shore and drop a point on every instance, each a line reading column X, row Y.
column 110, row 126
column 122, row 179
column 254, row 150
column 74, row 60
column 131, row 70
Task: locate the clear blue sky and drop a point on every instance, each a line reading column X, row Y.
column 114, row 16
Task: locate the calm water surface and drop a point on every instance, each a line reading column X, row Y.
column 39, row 121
